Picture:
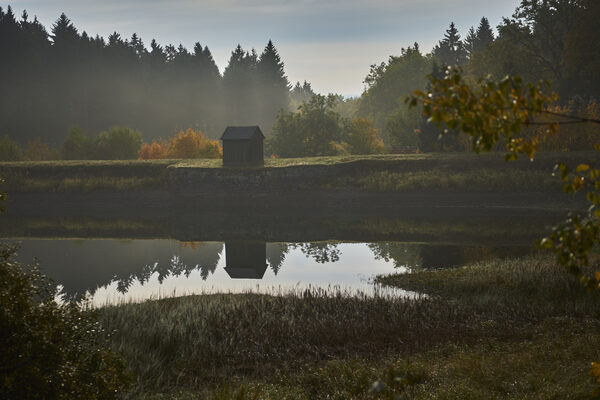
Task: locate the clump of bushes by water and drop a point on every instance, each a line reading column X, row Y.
column 51, row 349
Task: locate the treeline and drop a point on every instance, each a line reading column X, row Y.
column 53, row 80
column 555, row 41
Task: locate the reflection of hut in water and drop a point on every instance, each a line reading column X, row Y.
column 246, row 259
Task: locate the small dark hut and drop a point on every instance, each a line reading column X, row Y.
column 243, row 145
column 246, row 259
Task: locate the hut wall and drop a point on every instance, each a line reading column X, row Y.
column 239, row 152
column 247, row 254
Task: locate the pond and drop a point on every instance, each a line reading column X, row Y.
column 115, row 260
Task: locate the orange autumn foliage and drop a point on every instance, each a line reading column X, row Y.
column 157, row 150
column 188, row 144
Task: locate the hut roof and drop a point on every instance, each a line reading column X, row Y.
column 256, row 272
column 241, row 132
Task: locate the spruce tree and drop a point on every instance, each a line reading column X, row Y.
column 450, row 50
column 137, row 45
column 239, row 88
column 273, row 85
column 470, row 41
column 63, row 32
column 484, row 35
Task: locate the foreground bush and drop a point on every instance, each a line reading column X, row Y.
column 50, row 350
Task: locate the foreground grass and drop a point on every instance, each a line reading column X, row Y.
column 518, row 328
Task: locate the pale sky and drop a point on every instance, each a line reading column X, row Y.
column 330, row 43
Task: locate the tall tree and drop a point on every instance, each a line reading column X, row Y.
column 274, row 86
column 239, row 87
column 312, row 131
column 469, row 42
column 582, row 50
column 484, row 35
column 450, row 50
column 537, row 29
column 389, row 83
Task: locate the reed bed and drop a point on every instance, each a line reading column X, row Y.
column 201, row 340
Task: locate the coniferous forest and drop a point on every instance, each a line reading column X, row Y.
column 62, row 77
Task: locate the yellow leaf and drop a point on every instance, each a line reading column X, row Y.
column 595, row 371
column 582, row 167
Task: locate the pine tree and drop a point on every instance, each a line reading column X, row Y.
column 157, row 54
column 64, row 34
column 301, row 93
column 450, row 50
column 239, row 87
column 9, row 37
column 170, row 52
column 484, row 35
column 470, row 41
column 273, row 86
column 137, row 45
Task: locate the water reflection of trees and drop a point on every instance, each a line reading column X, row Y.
column 321, row 252
column 86, row 265
column 402, row 254
column 276, row 253
column 205, row 260
column 434, row 256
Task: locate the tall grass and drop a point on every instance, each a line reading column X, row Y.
column 225, row 340
column 204, row 339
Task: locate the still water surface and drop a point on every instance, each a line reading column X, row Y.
column 112, row 271
column 178, row 254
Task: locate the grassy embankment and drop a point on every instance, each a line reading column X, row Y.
column 520, row 328
column 84, row 176
column 459, row 171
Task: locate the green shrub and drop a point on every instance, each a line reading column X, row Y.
column 119, row 143
column 50, row 350
column 77, row 145
column 10, row 150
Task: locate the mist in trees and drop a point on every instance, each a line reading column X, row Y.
column 53, row 80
